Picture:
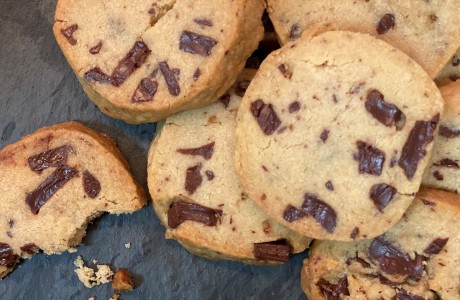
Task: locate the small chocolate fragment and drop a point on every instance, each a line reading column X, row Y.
column 354, row 233
column 209, row 174
column 225, row 100
column 7, row 256
column 182, row 211
column 448, row 132
column 333, row 291
column 96, row 49
column 193, row 179
column 386, row 113
column 324, row 135
column 170, row 78
column 272, row 251
column 436, row 246
column 393, row 161
column 448, row 163
column 454, row 77
column 386, row 23
column 194, row 43
column 37, row 198
column 294, row 32
column 241, row 87
column 206, row 151
column 266, row 116
column 196, row 74
column 97, row 75
column 386, row 281
column 323, row 213
column 203, row 22
column 428, row 202
column 68, row 33
column 292, row 214
column 30, row 248
column 414, row 149
column 294, row 107
column 122, row 281
column 132, row 61
column 402, row 294
column 382, row 194
column 284, row 70
column 91, row 185
column 455, row 61
column 145, row 90
column 329, row 185
column 438, row 176
column 370, row 159
column 52, row 158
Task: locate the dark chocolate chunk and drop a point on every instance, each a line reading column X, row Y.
column 370, row 159
column 97, row 75
column 225, row 100
column 196, row 74
column 393, row 161
column 145, row 90
column 91, row 185
column 333, row 291
column 438, row 175
column 206, row 151
column 414, row 149
column 323, row 213
column 436, row 246
column 7, row 256
column 382, row 194
column 10, row 223
column 52, row 158
column 294, row 32
column 68, row 33
column 37, row 198
column 241, row 87
column 448, row 163
column 324, row 135
column 284, row 70
column 182, row 211
column 358, row 260
column 170, row 78
column 386, row 113
column 132, row 61
column 193, row 179
column 386, row 281
column 354, row 233
column 192, row 42
column 386, row 23
column 203, row 22
column 292, row 214
column 455, row 61
column 266, row 116
column 272, row 251
column 96, row 49
column 454, row 77
column 30, row 248
column 294, row 107
column 448, row 132
column 209, row 174
column 329, row 185
column 402, row 294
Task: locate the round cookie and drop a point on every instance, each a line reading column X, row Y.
column 427, row 31
column 196, row 194
column 142, row 62
column 450, row 72
column 332, row 142
column 443, row 171
column 416, row 259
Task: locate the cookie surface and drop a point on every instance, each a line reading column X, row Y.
column 53, row 183
column 332, row 142
column 416, row 259
column 443, row 171
column 196, row 194
column 427, row 31
column 141, row 61
column 450, row 72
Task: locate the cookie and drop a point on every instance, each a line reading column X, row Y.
column 416, row 259
column 332, row 142
column 53, row 183
column 196, row 194
column 443, row 170
column 451, row 72
column 427, row 31
column 141, row 62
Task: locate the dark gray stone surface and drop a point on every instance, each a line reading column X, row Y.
column 38, row 88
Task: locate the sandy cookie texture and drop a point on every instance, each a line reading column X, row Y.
column 196, row 194
column 416, row 259
column 328, row 143
column 53, row 183
column 142, row 61
column 427, row 31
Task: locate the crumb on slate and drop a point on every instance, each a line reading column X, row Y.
column 89, row 277
column 128, row 245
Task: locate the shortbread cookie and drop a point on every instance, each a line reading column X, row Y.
column 427, row 31
column 332, row 142
column 53, row 183
column 142, row 61
column 443, row 171
column 196, row 194
column 451, row 72
column 417, row 259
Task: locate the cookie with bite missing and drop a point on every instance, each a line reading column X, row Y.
column 197, row 196
column 416, row 259
column 142, row 61
column 332, row 142
column 53, row 182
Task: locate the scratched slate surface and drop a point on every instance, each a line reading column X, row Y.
column 38, row 88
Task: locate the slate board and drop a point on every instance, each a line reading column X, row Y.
column 38, row 88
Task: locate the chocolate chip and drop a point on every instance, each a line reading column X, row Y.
column 182, row 211
column 30, row 248
column 68, row 33
column 272, row 251
column 10, row 223
column 386, row 113
column 386, row 281
column 96, row 49
column 447, row 163
column 393, row 161
column 329, row 185
column 324, row 135
column 333, row 291
column 414, row 149
column 370, row 159
column 7, row 256
column 37, row 198
column 284, row 70
column 266, row 116
column 448, row 132
column 132, row 61
column 170, row 78
column 91, row 185
column 436, row 246
column 193, row 179
column 97, row 75
column 203, row 22
column 145, row 91
column 438, row 175
column 292, row 214
column 454, row 77
column 323, row 213
column 52, row 158
column 241, row 87
column 382, row 194
column 192, row 42
column 196, row 74
column 206, row 151
column 294, row 107
column 294, row 32
column 354, row 233
column 209, row 174
column 402, row 294
column 386, row 23
column 428, row 202
column 358, row 260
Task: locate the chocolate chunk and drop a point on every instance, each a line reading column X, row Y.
column 294, row 32
column 68, row 33
column 454, row 77
column 284, row 70
column 436, row 246
column 402, row 294
column 10, row 223
column 170, row 78
column 97, row 75
column 358, row 260
column 206, row 151
column 333, row 291
column 386, row 281
column 203, row 22
column 209, row 174
column 448, row 163
column 354, row 233
column 370, row 159
column 438, row 175
column 323, row 213
column 329, row 185
column 382, row 194
column 37, row 198
column 292, row 214
column 182, row 211
column 192, row 42
column 145, row 90
column 132, row 61
column 414, row 149
column 91, row 185
column 7, row 256
column 324, row 135
column 96, row 49
column 386, row 23
column 52, row 158
column 30, row 248
column 241, row 87
column 448, row 132
column 272, row 251
column 455, row 61
column 266, row 116
column 393, row 161
column 196, row 74
column 193, row 179
column 294, row 107
column 225, row 100
column 386, row 113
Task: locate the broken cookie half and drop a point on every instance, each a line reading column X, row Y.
column 53, row 183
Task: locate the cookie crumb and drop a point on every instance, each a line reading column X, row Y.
column 128, row 245
column 89, row 277
column 92, row 298
column 115, row 297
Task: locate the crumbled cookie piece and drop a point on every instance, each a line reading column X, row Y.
column 115, row 297
column 89, row 277
column 122, row 281
column 128, row 245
